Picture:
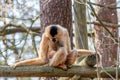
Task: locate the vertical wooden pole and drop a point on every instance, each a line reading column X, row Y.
column 81, row 40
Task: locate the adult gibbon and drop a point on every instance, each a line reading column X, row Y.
column 55, row 49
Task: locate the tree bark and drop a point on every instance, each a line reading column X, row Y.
column 106, row 46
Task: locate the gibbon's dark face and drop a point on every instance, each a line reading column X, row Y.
column 53, row 32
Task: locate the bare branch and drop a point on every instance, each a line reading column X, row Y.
column 21, row 30
column 112, row 6
column 105, row 23
column 7, row 29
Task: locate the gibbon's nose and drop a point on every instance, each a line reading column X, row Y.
column 53, row 39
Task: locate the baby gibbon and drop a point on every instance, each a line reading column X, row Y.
column 55, row 49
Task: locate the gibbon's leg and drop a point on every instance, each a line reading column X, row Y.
column 59, row 58
column 31, row 62
column 71, row 58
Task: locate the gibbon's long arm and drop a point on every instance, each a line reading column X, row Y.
column 41, row 60
column 43, row 54
column 84, row 52
column 68, row 44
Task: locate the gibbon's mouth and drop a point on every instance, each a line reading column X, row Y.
column 53, row 39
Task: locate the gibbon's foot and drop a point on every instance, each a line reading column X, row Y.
column 63, row 66
column 14, row 66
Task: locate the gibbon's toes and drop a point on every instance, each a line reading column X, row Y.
column 14, row 66
column 63, row 66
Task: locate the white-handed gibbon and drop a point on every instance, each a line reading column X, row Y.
column 55, row 49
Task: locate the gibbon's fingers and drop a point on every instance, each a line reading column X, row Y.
column 30, row 62
column 84, row 52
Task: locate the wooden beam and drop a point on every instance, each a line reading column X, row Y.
column 47, row 71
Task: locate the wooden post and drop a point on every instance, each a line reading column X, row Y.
column 81, row 40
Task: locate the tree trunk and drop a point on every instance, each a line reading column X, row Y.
column 106, row 46
column 56, row 12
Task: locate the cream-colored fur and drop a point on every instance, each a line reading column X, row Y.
column 57, row 54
